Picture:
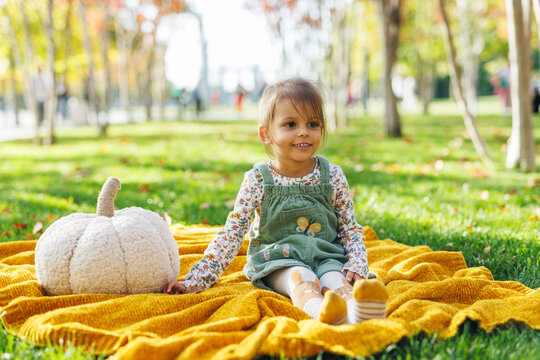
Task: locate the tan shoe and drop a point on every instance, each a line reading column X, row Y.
column 333, row 309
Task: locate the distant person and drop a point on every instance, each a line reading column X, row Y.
column 240, row 93
column 62, row 93
column 304, row 240
column 501, row 87
column 196, row 95
column 536, row 101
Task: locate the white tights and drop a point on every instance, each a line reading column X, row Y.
column 302, row 286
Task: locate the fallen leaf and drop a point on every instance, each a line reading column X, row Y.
column 502, row 207
column 20, row 226
column 125, row 140
column 5, row 210
column 479, row 173
column 533, row 182
column 51, row 217
column 144, row 187
column 534, row 217
column 29, row 237
column 38, row 228
column 205, row 222
column 162, row 161
column 407, row 140
column 487, row 249
column 6, row 233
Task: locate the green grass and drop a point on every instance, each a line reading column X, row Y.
column 428, row 188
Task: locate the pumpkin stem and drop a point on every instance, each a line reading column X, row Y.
column 105, row 202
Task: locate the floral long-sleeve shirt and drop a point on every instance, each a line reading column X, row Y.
column 223, row 249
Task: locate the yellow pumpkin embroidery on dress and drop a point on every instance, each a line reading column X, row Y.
column 308, row 227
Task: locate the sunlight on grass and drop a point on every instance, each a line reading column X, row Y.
column 427, row 188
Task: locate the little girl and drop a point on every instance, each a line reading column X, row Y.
column 304, row 240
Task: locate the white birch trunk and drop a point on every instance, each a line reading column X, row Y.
column 521, row 148
column 472, row 45
column 455, row 79
column 91, row 82
column 107, row 95
column 123, row 42
column 29, row 61
column 52, row 100
column 13, row 83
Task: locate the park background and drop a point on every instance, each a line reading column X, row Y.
column 422, row 100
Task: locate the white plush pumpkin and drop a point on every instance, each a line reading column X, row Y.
column 129, row 251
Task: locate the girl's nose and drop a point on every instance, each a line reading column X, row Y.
column 302, row 130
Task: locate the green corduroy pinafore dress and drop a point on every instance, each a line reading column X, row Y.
column 298, row 227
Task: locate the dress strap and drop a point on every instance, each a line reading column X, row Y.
column 263, row 168
column 325, row 169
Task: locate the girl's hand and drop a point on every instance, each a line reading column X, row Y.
column 351, row 276
column 175, row 288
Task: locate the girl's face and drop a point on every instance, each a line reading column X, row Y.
column 294, row 135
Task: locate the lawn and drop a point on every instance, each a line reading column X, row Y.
column 427, row 188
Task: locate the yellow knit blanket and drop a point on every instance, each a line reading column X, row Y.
column 431, row 291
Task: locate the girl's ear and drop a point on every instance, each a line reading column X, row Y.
column 264, row 136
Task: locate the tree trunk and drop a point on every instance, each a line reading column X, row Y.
column 536, row 6
column 51, row 103
column 455, row 75
column 389, row 18
column 147, row 84
column 426, row 76
column 340, row 61
column 67, row 39
column 13, row 81
column 160, row 77
column 122, row 41
column 521, row 148
column 18, row 61
column 29, row 57
column 107, row 96
column 90, row 81
column 472, row 44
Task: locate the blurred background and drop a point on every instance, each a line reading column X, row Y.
column 87, row 62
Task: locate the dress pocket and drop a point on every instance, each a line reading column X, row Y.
column 310, row 221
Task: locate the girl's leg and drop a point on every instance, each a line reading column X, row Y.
column 303, row 287
column 366, row 301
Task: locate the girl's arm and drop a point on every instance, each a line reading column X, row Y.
column 223, row 249
column 350, row 233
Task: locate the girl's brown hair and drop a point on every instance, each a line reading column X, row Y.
column 302, row 93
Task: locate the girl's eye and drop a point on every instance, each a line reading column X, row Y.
column 290, row 124
column 314, row 124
